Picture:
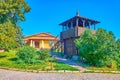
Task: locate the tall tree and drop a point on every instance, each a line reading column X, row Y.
column 7, row 36
column 12, row 12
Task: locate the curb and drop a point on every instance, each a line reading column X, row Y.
column 61, row 71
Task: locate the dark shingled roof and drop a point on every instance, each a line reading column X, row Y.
column 87, row 20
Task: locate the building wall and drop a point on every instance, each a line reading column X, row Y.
column 69, row 47
column 68, row 37
column 41, row 40
column 65, row 35
column 72, row 33
column 44, row 44
column 40, row 44
column 27, row 43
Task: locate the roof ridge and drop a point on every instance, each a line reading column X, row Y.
column 41, row 33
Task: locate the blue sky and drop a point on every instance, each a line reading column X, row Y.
column 45, row 15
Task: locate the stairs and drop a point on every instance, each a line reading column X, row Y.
column 57, row 46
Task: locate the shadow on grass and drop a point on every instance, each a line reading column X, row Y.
column 13, row 59
column 62, row 66
column 2, row 56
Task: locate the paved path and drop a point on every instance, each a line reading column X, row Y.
column 16, row 75
column 69, row 62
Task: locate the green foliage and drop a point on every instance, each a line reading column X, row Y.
column 101, row 68
column 13, row 10
column 62, row 66
column 26, row 54
column 19, row 37
column 11, row 13
column 114, row 65
column 43, row 54
column 8, row 59
column 99, row 49
column 7, row 36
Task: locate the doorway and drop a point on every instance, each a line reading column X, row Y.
column 36, row 44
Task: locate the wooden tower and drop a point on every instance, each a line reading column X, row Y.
column 72, row 29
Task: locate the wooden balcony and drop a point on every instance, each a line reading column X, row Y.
column 73, row 33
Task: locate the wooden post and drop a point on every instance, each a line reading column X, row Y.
column 89, row 24
column 42, row 44
column 83, row 23
column 39, row 44
column 94, row 27
column 71, row 24
column 77, row 22
column 67, row 27
column 31, row 43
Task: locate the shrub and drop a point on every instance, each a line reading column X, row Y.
column 114, row 65
column 26, row 54
column 98, row 49
column 43, row 54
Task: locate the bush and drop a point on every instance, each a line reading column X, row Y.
column 43, row 54
column 98, row 49
column 114, row 65
column 26, row 54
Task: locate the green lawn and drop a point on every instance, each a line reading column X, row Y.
column 87, row 66
column 8, row 59
column 102, row 68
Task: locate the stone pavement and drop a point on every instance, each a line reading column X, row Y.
column 16, row 75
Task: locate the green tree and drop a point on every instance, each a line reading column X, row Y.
column 118, row 51
column 7, row 36
column 99, row 49
column 11, row 13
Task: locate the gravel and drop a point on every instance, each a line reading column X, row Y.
column 16, row 75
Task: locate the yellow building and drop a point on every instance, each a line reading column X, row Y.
column 41, row 40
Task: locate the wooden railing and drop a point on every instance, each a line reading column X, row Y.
column 72, row 33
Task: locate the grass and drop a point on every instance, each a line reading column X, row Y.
column 61, row 66
column 102, row 68
column 8, row 59
column 89, row 67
